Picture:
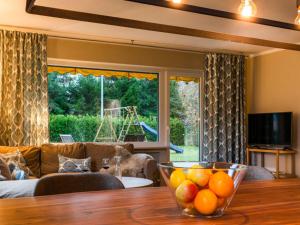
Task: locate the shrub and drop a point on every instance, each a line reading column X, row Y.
column 177, row 131
column 84, row 128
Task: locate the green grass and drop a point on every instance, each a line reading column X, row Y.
column 191, row 153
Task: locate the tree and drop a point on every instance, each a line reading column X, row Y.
column 176, row 105
column 79, row 95
column 58, row 103
column 84, row 96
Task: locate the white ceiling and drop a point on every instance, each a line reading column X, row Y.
column 12, row 13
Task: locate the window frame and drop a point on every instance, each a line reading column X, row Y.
column 164, row 74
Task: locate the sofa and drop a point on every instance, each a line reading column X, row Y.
column 43, row 160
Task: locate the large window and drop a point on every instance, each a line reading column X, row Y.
column 184, row 118
column 152, row 107
column 103, row 105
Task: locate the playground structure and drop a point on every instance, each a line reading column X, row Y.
column 154, row 132
column 132, row 129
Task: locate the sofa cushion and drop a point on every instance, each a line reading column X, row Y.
column 98, row 151
column 69, row 165
column 4, row 170
column 17, row 165
column 31, row 155
column 17, row 188
column 49, row 155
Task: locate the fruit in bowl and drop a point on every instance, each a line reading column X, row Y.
column 186, row 191
column 201, row 188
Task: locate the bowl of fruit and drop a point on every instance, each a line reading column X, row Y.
column 202, row 189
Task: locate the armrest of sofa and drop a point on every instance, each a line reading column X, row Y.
column 151, row 171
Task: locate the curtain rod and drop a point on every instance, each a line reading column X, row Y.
column 144, row 45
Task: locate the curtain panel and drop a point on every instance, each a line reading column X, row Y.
column 224, row 136
column 23, row 89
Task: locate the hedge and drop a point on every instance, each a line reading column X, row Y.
column 84, row 128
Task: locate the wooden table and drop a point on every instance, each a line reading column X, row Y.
column 260, row 202
column 277, row 153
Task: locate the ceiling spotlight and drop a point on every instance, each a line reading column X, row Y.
column 297, row 20
column 177, row 1
column 247, row 8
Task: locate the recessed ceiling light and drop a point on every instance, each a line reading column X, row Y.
column 247, row 8
column 177, row 1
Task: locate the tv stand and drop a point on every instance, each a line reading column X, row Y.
column 277, row 153
column 269, row 147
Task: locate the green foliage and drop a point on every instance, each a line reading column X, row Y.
column 74, row 103
column 84, row 128
column 83, row 96
column 191, row 153
column 176, row 105
column 177, row 131
column 79, row 95
column 144, row 95
column 58, row 103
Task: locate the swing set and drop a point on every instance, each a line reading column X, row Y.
column 131, row 128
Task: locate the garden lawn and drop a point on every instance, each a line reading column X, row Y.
column 191, row 153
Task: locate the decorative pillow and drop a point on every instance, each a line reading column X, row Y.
column 4, row 170
column 17, row 165
column 31, row 155
column 67, row 165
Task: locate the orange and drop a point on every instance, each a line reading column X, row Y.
column 221, row 202
column 206, row 202
column 221, row 184
column 199, row 175
column 176, row 178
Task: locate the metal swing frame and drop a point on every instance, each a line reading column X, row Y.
column 131, row 119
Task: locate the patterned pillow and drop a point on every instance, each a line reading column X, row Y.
column 4, row 170
column 67, row 165
column 17, row 165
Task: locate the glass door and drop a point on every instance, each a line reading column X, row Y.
column 184, row 118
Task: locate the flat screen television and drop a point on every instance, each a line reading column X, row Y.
column 273, row 130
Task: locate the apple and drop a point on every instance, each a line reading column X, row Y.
column 186, row 205
column 186, row 191
column 199, row 175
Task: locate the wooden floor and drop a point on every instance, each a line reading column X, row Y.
column 271, row 202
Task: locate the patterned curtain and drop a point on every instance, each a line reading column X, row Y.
column 224, row 109
column 23, row 89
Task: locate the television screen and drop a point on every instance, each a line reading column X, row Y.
column 270, row 129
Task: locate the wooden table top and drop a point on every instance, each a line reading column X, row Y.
column 259, row 202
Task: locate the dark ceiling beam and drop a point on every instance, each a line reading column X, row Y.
column 217, row 13
column 29, row 5
column 122, row 22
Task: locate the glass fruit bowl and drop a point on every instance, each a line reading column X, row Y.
column 203, row 189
